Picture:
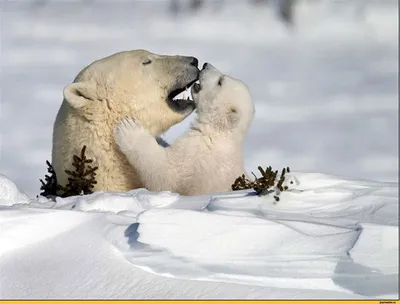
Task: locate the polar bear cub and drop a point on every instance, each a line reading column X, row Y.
column 209, row 157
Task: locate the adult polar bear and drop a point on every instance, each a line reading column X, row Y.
column 209, row 157
column 131, row 83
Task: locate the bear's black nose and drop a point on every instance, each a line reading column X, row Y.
column 195, row 62
column 205, row 65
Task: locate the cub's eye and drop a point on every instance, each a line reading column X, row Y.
column 146, row 62
column 220, row 81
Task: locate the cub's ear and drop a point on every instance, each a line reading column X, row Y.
column 79, row 94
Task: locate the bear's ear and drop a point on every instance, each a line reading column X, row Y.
column 79, row 94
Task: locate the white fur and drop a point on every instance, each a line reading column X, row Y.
column 109, row 89
column 209, row 157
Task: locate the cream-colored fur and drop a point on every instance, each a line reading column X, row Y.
column 209, row 157
column 132, row 83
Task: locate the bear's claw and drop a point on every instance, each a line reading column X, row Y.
column 128, row 123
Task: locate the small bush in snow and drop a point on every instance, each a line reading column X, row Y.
column 262, row 185
column 81, row 181
column 50, row 186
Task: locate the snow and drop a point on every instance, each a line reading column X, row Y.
column 326, row 99
column 325, row 238
column 10, row 195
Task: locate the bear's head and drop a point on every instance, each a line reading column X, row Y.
column 223, row 102
column 134, row 83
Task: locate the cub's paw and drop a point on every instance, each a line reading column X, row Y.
column 126, row 131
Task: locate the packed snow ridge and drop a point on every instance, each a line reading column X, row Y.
column 326, row 237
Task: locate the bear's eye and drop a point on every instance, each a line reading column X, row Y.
column 220, row 81
column 146, row 62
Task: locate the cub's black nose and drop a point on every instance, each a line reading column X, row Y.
column 205, row 65
column 195, row 62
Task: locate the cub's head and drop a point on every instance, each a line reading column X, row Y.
column 134, row 83
column 222, row 102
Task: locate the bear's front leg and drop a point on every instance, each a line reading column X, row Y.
column 143, row 152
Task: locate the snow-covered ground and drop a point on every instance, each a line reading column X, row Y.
column 327, row 237
column 326, row 101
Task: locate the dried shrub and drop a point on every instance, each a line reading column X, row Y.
column 81, row 180
column 265, row 184
column 50, row 186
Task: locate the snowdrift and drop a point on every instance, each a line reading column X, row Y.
column 326, row 237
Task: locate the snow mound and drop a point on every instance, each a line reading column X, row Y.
column 130, row 203
column 211, row 237
column 9, row 193
column 306, row 239
column 25, row 227
column 326, row 233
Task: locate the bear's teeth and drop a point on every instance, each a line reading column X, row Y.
column 185, row 95
column 180, row 95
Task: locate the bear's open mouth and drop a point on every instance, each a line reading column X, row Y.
column 180, row 99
